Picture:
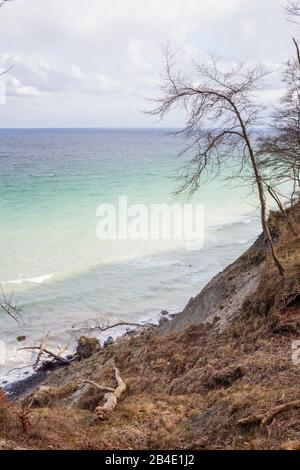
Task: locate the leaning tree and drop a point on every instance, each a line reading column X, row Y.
column 280, row 148
column 222, row 117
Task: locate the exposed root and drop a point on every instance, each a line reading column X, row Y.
column 111, row 397
column 266, row 419
column 99, row 387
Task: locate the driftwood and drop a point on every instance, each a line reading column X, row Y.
column 42, row 351
column 111, row 397
column 99, row 387
column 105, row 327
column 265, row 419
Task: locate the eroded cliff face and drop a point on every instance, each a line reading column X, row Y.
column 190, row 382
column 251, row 285
column 222, row 299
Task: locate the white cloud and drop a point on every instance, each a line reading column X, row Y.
column 28, row 91
column 107, row 55
column 136, row 55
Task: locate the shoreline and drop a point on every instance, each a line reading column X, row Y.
column 24, row 387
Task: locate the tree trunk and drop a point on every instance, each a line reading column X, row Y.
column 259, row 183
column 264, row 221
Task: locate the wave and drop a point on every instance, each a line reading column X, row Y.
column 154, row 262
column 34, row 280
column 228, row 225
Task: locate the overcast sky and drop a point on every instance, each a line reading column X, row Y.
column 93, row 63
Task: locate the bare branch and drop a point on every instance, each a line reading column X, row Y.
column 10, row 306
column 222, row 120
column 99, row 387
column 41, row 351
column 58, row 358
column 265, row 419
column 105, row 327
column 3, row 2
column 292, row 9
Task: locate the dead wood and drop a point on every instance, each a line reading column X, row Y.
column 111, row 398
column 267, row 418
column 58, row 358
column 99, row 387
column 107, row 327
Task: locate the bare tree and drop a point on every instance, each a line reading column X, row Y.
column 3, row 2
column 221, row 120
column 280, row 150
column 293, row 10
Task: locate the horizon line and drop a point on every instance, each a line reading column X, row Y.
column 89, row 128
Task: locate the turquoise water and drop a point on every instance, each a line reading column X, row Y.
column 51, row 183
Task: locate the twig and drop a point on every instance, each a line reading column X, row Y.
column 265, row 419
column 10, row 307
column 41, row 351
column 99, row 387
column 60, row 359
column 115, row 325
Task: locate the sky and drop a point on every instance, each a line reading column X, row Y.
column 96, row 63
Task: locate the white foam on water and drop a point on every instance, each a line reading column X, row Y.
column 34, row 280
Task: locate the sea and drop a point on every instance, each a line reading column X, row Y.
column 63, row 277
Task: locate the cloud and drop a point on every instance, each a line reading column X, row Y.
column 105, row 55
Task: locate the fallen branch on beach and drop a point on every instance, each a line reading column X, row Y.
column 111, row 397
column 265, row 419
column 43, row 351
column 105, row 327
column 58, row 358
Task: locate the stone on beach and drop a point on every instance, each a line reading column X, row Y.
column 86, row 347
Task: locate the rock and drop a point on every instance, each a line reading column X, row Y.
column 163, row 320
column 108, row 342
column 164, row 313
column 21, row 338
column 130, row 332
column 86, row 347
